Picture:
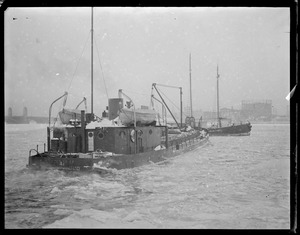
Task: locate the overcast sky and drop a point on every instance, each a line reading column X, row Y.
column 47, row 52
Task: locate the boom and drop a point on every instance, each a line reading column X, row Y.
column 154, row 85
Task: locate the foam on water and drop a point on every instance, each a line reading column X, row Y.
column 236, row 182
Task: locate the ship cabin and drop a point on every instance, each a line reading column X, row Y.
column 87, row 136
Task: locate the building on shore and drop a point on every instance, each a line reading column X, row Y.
column 260, row 110
column 255, row 111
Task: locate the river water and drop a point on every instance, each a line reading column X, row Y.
column 233, row 183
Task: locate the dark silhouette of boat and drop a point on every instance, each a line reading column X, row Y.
column 232, row 130
column 242, row 129
column 123, row 137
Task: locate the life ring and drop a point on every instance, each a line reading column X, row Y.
column 132, row 136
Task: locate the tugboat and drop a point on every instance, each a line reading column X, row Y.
column 242, row 129
column 123, row 137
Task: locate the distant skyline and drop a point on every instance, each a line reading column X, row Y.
column 47, row 52
column 186, row 110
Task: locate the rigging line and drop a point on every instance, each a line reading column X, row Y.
column 121, row 110
column 61, row 106
column 55, row 119
column 214, row 103
column 144, row 94
column 186, row 115
column 78, row 61
column 101, row 70
column 171, row 101
column 167, row 98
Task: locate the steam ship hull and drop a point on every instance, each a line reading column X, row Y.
column 104, row 162
column 237, row 130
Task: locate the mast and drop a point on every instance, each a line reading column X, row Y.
column 154, row 85
column 92, row 36
column 218, row 114
column 180, row 88
column 191, row 87
column 180, row 107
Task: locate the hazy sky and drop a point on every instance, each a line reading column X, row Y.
column 47, row 52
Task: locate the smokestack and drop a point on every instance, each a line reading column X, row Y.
column 114, row 105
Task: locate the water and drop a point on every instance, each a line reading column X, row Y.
column 235, row 183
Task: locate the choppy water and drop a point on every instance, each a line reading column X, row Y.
column 236, row 182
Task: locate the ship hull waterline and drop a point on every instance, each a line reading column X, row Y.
column 104, row 164
column 238, row 130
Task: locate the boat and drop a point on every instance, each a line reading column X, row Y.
column 232, row 129
column 66, row 115
column 143, row 116
column 191, row 120
column 243, row 129
column 127, row 137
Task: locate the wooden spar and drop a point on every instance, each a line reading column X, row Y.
column 50, row 108
column 180, row 107
column 82, row 128
column 163, row 109
column 180, row 88
column 154, row 85
column 84, row 100
column 218, row 114
column 48, row 138
column 48, row 128
column 191, row 87
column 92, row 69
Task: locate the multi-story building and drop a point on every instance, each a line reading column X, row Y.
column 257, row 110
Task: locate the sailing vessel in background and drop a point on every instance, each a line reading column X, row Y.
column 127, row 137
column 230, row 130
column 190, row 120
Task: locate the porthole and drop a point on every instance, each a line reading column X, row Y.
column 100, row 135
column 90, row 134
